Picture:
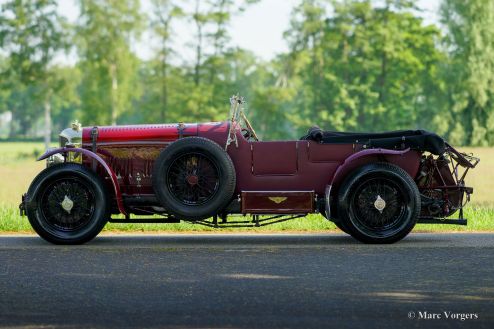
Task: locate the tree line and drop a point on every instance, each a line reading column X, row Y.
column 357, row 65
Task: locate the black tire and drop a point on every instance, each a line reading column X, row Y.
column 86, row 209
column 364, row 211
column 336, row 222
column 341, row 227
column 194, row 178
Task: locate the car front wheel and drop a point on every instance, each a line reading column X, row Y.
column 67, row 204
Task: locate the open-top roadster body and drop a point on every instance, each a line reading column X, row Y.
column 374, row 186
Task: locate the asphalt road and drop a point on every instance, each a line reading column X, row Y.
column 248, row 281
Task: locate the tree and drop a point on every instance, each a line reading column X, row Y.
column 211, row 19
column 361, row 68
column 66, row 102
column 23, row 101
column 105, row 31
column 304, row 37
column 271, row 99
column 164, row 12
column 218, row 63
column 470, row 71
column 31, row 33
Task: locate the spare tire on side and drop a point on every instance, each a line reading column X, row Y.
column 194, row 178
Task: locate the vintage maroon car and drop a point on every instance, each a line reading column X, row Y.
column 373, row 186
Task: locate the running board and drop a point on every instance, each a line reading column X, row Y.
column 144, row 220
column 435, row 220
column 256, row 221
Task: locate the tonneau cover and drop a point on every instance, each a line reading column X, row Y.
column 421, row 140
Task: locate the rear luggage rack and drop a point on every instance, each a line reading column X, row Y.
column 465, row 160
column 441, row 182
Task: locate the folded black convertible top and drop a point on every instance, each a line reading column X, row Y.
column 421, row 140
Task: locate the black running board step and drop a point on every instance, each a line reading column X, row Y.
column 429, row 220
column 145, row 220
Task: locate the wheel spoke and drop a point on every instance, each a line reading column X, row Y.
column 367, row 213
column 81, row 211
column 193, row 179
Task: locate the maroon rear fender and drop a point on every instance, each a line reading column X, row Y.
column 351, row 161
column 407, row 159
column 109, row 171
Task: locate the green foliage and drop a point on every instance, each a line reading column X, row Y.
column 104, row 33
column 470, row 75
column 164, row 14
column 31, row 34
column 352, row 65
column 363, row 68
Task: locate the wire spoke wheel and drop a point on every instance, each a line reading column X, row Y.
column 67, row 204
column 193, row 179
column 378, row 205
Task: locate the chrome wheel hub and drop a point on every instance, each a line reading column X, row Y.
column 67, row 204
column 380, row 204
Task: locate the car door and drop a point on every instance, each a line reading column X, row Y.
column 274, row 158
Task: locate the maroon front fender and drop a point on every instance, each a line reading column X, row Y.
column 116, row 187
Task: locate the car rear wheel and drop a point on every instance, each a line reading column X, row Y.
column 194, row 178
column 379, row 203
column 67, row 204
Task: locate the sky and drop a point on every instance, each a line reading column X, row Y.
column 259, row 29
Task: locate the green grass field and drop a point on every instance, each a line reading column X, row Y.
column 18, row 167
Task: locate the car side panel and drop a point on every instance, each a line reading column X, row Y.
column 278, row 158
column 316, row 164
column 271, row 168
